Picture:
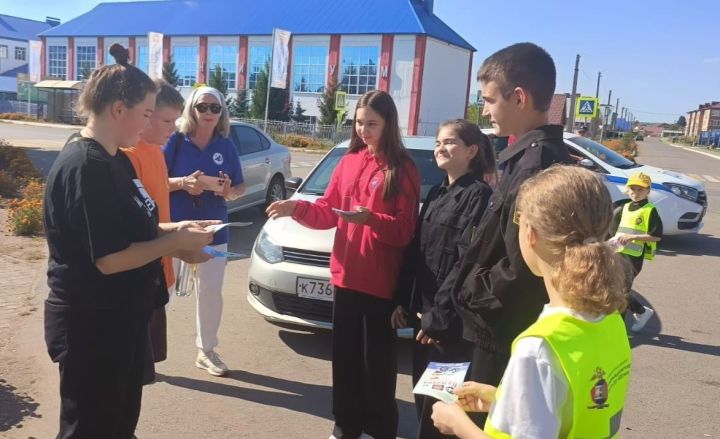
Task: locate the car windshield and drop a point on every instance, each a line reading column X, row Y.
column 430, row 174
column 604, row 153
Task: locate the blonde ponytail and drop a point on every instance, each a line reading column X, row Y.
column 571, row 209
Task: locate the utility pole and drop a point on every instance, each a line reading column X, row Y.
column 597, row 90
column 605, row 117
column 616, row 113
column 571, row 119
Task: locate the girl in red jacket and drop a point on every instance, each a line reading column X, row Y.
column 372, row 199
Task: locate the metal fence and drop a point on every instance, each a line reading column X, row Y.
column 323, row 132
column 31, row 109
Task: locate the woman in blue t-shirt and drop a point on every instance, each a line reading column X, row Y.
column 202, row 149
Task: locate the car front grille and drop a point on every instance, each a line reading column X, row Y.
column 306, row 257
column 309, row 309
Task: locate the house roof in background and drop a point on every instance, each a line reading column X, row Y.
column 246, row 17
column 21, row 29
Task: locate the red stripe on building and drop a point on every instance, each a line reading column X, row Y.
column 71, row 59
column 242, row 63
column 386, row 62
column 333, row 59
column 288, row 80
column 166, row 49
column 204, row 73
column 467, row 94
column 100, row 54
column 43, row 58
column 416, row 93
column 131, row 50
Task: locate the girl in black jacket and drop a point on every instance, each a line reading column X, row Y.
column 452, row 208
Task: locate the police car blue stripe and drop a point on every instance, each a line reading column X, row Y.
column 623, row 180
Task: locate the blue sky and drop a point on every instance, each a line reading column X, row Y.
column 660, row 57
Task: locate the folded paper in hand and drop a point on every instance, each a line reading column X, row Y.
column 440, row 380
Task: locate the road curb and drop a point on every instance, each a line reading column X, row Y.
column 691, row 149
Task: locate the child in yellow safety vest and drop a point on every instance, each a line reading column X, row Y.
column 637, row 236
column 568, row 372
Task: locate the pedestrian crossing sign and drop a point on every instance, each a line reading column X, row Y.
column 587, row 107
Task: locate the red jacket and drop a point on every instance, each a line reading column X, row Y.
column 366, row 257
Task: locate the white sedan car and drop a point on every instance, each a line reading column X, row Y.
column 265, row 165
column 289, row 275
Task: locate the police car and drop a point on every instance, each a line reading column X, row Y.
column 680, row 200
column 289, row 274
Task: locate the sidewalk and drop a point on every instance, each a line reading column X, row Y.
column 41, row 124
column 713, row 153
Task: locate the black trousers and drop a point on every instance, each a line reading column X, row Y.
column 364, row 366
column 103, row 357
column 634, row 305
column 455, row 351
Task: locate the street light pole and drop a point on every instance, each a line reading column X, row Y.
column 571, row 119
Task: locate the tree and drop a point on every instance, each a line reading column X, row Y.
column 238, row 106
column 170, row 73
column 326, row 104
column 217, row 80
column 681, row 121
column 279, row 108
column 85, row 71
column 298, row 114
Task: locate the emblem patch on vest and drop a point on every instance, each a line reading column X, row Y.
column 639, row 221
column 599, row 392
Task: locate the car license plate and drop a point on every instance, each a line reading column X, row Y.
column 314, row 289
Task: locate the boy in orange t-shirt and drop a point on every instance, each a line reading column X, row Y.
column 149, row 162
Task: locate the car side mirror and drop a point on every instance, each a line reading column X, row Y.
column 293, row 183
column 587, row 164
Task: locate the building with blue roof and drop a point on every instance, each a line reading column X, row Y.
column 399, row 46
column 15, row 33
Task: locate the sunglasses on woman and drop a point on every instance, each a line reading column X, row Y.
column 203, row 108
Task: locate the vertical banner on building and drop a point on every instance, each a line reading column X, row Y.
column 155, row 54
column 34, row 61
column 280, row 57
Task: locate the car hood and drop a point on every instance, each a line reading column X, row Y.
column 287, row 232
column 661, row 176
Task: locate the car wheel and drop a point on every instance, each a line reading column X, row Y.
column 276, row 191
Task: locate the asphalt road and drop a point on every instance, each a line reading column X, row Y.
column 280, row 384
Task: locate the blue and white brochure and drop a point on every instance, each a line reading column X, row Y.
column 440, row 380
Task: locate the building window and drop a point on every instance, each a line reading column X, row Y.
column 20, row 53
column 186, row 64
column 359, row 69
column 259, row 57
column 86, row 59
column 225, row 57
column 3, row 52
column 57, row 62
column 309, row 67
column 142, row 58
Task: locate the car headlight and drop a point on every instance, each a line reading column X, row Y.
column 682, row 191
column 267, row 250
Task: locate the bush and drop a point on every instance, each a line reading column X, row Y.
column 17, row 116
column 298, row 141
column 25, row 215
column 629, row 151
column 16, row 169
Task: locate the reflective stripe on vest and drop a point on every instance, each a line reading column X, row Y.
column 637, row 223
column 596, row 361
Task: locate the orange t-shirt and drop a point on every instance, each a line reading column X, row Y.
column 149, row 163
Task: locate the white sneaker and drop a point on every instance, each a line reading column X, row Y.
column 211, row 362
column 641, row 319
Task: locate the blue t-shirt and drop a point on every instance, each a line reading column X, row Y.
column 219, row 155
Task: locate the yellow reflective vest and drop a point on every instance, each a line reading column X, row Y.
column 637, row 223
column 595, row 359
